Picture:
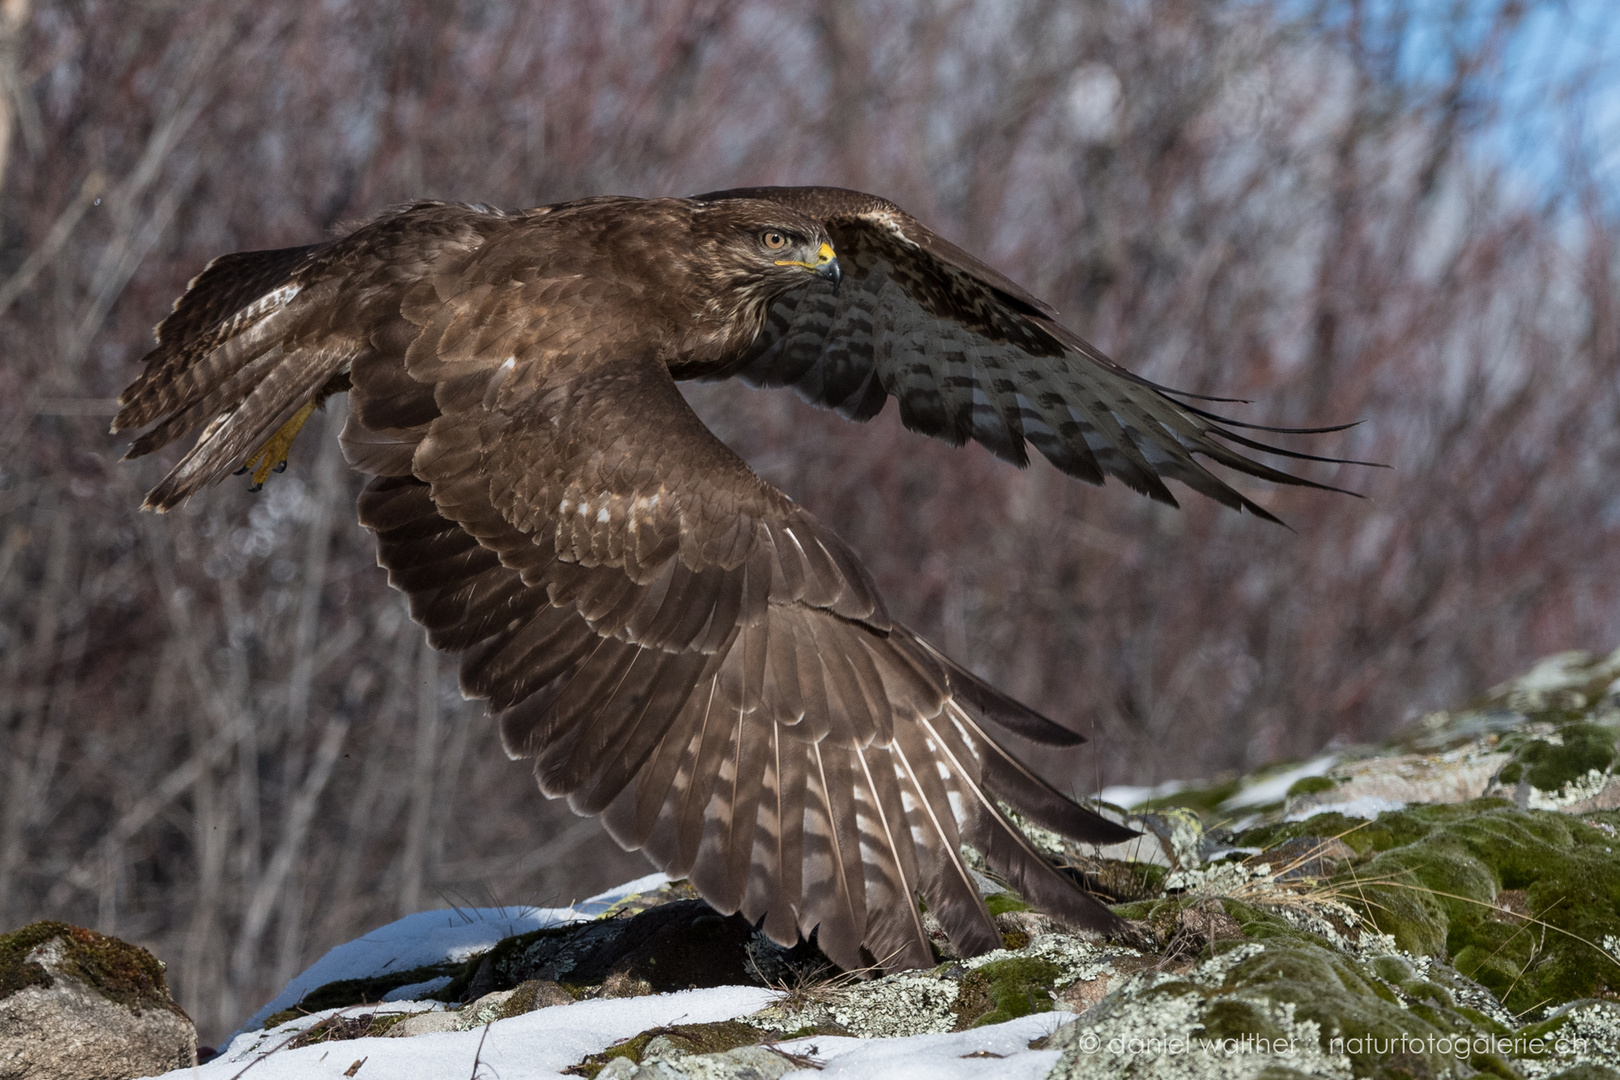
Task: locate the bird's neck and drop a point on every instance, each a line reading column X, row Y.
column 719, row 336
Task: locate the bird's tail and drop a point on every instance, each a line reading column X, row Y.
column 242, row 356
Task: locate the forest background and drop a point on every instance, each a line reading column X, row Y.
column 221, row 737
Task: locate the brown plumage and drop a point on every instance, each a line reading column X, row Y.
column 679, row 646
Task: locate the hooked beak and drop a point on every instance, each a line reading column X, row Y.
column 825, row 267
column 830, row 270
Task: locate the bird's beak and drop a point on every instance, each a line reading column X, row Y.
column 826, row 265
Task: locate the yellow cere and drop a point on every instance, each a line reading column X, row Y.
column 823, row 257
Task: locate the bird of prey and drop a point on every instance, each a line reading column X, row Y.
column 679, row 647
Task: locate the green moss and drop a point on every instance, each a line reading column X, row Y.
column 1434, row 878
column 1581, row 748
column 1434, row 881
column 276, row 1019
column 1004, row 990
column 524, row 999
column 1013, row 940
column 1358, row 1012
column 119, row 971
column 692, row 1038
column 1002, row 902
column 1387, row 831
column 1310, row 785
column 16, row 971
column 1571, row 901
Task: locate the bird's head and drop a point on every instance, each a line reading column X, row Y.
column 738, row 256
column 763, row 249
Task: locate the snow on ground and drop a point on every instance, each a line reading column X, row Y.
column 540, row 1044
column 533, row 1046
column 432, row 937
column 999, row 1050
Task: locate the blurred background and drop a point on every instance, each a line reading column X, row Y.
column 222, row 738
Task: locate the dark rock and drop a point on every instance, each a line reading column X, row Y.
column 676, row 946
column 75, row 1003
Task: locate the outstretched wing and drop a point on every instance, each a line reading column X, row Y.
column 681, row 648
column 968, row 354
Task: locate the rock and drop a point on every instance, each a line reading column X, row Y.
column 678, row 945
column 488, row 1009
column 1392, row 782
column 493, row 1006
column 1180, row 832
column 743, row 1063
column 426, row 1023
column 75, row 1003
column 728, row 1050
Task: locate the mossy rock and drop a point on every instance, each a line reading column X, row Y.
column 1587, row 1072
column 1548, row 765
column 1357, row 1012
column 117, row 970
column 1435, row 878
column 1004, row 990
column 690, row 1038
column 1381, row 1016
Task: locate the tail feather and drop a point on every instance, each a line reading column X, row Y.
column 234, row 294
column 222, row 397
column 269, row 405
column 242, row 352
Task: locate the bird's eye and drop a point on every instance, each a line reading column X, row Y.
column 774, row 239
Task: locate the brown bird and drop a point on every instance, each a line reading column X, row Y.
column 680, row 647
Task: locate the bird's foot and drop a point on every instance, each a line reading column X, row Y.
column 272, row 456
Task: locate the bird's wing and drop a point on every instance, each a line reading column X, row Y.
column 968, row 354
column 681, row 648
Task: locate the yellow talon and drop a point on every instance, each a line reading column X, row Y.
column 272, row 456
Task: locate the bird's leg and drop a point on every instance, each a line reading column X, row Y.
column 272, row 456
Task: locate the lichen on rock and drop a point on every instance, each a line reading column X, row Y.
column 75, row 1003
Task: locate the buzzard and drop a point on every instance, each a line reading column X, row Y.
column 679, row 647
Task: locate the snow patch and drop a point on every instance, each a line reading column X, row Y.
column 1366, row 806
column 1273, row 789
column 535, row 1046
column 1000, row 1051
column 434, row 937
